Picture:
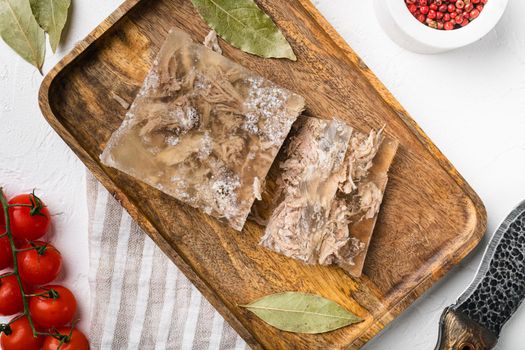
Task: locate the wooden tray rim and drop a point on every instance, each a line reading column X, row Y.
column 468, row 245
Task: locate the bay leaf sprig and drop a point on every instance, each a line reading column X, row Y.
column 23, row 24
column 20, row 30
column 244, row 25
column 302, row 313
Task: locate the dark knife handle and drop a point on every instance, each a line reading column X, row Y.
column 458, row 332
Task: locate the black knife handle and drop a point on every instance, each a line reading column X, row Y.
column 458, row 332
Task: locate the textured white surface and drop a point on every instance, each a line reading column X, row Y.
column 469, row 101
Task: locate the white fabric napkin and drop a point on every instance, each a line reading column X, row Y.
column 139, row 298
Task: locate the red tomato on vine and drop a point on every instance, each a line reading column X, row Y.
column 20, row 336
column 10, row 296
column 2, row 220
column 6, row 258
column 50, row 308
column 56, row 306
column 6, row 255
column 77, row 340
column 38, row 263
column 31, row 220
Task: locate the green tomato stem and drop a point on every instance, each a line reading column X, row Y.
column 7, row 275
column 15, row 319
column 25, row 249
column 51, row 294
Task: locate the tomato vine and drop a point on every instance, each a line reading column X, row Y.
column 5, row 328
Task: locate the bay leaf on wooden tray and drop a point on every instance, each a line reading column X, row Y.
column 302, row 313
column 244, row 25
column 51, row 15
column 20, row 30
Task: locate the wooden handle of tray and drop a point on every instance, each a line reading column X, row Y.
column 458, row 332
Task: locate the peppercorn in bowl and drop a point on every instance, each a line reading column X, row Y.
column 434, row 26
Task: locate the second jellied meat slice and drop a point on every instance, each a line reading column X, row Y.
column 324, row 193
column 307, row 182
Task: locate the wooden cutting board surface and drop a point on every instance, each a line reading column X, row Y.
column 430, row 218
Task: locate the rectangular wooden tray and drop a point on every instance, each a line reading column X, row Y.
column 430, row 218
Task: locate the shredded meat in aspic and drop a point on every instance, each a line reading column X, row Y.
column 322, row 190
column 211, row 42
column 203, row 129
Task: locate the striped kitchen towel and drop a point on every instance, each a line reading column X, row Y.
column 139, row 298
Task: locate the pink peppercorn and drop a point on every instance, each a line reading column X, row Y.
column 449, row 25
column 445, row 14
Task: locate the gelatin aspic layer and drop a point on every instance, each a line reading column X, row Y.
column 203, row 129
column 326, row 189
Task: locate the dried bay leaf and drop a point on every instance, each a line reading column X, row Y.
column 244, row 25
column 51, row 15
column 19, row 29
column 302, row 313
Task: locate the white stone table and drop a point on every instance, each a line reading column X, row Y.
column 471, row 102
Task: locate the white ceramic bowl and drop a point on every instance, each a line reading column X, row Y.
column 408, row 32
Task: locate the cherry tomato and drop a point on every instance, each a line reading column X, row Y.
column 77, row 341
column 10, row 296
column 6, row 255
column 29, row 222
column 6, row 258
column 39, row 265
column 2, row 219
column 53, row 311
column 21, row 337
